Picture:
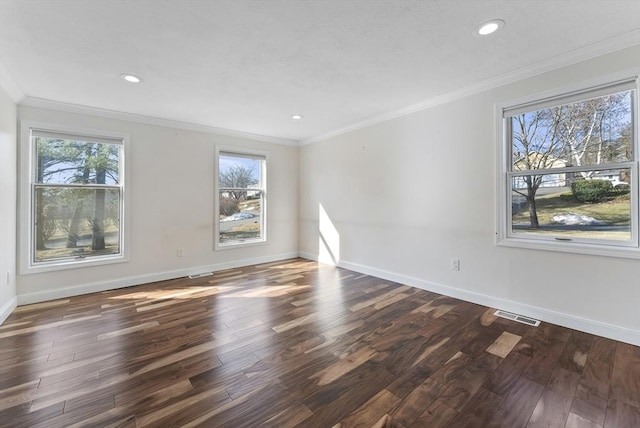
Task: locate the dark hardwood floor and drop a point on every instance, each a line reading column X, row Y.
column 296, row 343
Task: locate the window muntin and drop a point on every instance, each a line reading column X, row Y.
column 241, row 198
column 552, row 144
column 76, row 198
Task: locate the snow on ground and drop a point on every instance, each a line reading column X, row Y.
column 572, row 219
column 239, row 216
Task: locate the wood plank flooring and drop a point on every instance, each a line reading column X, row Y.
column 296, row 343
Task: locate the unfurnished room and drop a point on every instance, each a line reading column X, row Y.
column 319, row 213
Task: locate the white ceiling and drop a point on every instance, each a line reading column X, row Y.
column 249, row 65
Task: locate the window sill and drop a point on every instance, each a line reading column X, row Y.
column 71, row 264
column 241, row 244
column 573, row 247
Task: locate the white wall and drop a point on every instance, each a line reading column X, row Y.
column 8, row 162
column 171, row 191
column 405, row 196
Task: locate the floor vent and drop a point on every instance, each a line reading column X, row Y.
column 516, row 317
column 200, row 275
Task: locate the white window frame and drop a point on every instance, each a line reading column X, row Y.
column 26, row 199
column 241, row 152
column 571, row 93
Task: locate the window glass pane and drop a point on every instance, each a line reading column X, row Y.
column 589, row 132
column 76, row 222
column 239, row 172
column 588, row 205
column 66, row 161
column 240, row 216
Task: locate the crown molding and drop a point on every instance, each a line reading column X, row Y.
column 10, row 85
column 553, row 63
column 149, row 120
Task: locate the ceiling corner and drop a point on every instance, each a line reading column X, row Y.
column 10, row 85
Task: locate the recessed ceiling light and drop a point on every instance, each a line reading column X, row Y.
column 131, row 78
column 490, row 27
column 296, row 116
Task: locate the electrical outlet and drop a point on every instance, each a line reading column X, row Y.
column 180, row 252
column 455, row 264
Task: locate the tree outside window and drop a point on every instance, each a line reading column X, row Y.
column 571, row 168
column 77, row 197
column 241, row 198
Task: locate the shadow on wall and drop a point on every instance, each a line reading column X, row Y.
column 328, row 240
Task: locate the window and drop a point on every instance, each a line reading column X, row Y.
column 241, row 201
column 569, row 172
column 75, row 199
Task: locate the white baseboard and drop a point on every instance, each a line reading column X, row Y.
column 60, row 293
column 7, row 309
column 598, row 328
column 308, row 256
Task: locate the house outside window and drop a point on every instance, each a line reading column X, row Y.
column 568, row 177
column 241, row 201
column 75, row 201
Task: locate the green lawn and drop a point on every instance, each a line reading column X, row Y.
column 614, row 212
